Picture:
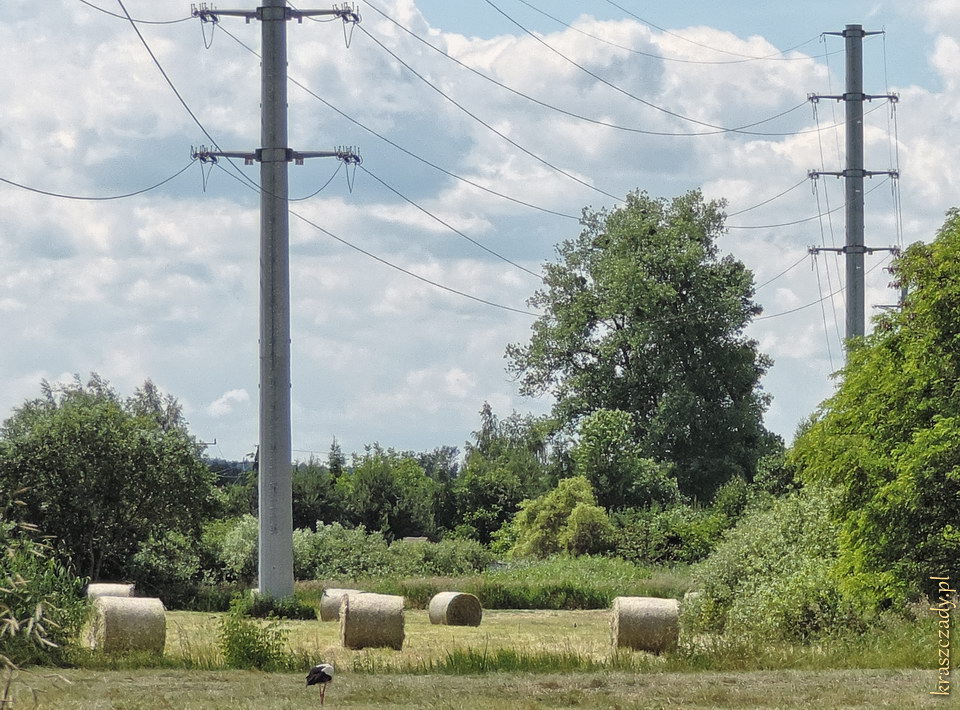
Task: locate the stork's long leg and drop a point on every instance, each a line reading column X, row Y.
column 323, row 692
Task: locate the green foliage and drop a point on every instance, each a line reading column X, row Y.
column 390, row 493
column 167, row 567
column 315, row 496
column 607, row 456
column 42, row 606
column 246, row 643
column 261, row 606
column 103, row 474
column 545, row 526
column 505, row 463
column 643, row 315
column 238, row 550
column 680, row 533
column 890, row 436
column 774, row 575
column 586, row 582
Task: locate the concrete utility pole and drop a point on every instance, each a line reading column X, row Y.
column 853, row 175
column 275, row 563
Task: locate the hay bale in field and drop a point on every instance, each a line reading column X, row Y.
column 371, row 620
column 109, row 589
column 121, row 624
column 330, row 602
column 645, row 623
column 455, row 609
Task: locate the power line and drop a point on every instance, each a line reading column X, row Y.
column 799, row 221
column 138, row 21
column 672, row 59
column 392, row 265
column 769, row 200
column 829, row 295
column 776, row 56
column 91, row 198
column 447, row 225
column 486, row 125
column 572, row 114
column 782, row 273
column 175, row 91
column 723, row 129
column 401, row 148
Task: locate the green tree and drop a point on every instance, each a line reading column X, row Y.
column 611, row 460
column 315, row 496
column 566, row 519
column 641, row 314
column 102, row 474
column 389, row 493
column 890, row 435
column 505, row 463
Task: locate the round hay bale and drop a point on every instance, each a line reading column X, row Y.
column 330, row 602
column 109, row 589
column 120, row 624
column 455, row 609
column 645, row 623
column 371, row 620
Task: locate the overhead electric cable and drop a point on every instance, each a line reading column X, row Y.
column 578, row 116
column 619, row 89
column 782, row 273
column 323, row 187
column 486, row 125
column 138, row 21
column 448, row 225
column 829, row 295
column 767, row 201
column 799, row 221
column 823, row 242
column 672, row 59
column 399, row 147
column 823, row 312
column 90, row 198
column 170, row 83
column 391, row 264
column 775, row 56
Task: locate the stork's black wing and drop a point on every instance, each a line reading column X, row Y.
column 318, row 674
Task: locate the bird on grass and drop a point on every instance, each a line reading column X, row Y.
column 320, row 674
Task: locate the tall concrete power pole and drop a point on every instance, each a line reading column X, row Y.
column 853, row 175
column 275, row 562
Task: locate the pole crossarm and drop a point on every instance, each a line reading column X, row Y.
column 854, row 249
column 350, row 156
column 348, row 12
column 852, row 172
column 853, row 96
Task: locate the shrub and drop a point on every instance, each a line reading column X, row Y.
column 238, row 550
column 541, row 526
column 41, row 602
column 336, row 552
column 680, row 533
column 773, row 576
column 262, row 606
column 251, row 644
column 167, row 567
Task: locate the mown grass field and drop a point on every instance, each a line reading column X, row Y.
column 248, row 690
column 515, row 659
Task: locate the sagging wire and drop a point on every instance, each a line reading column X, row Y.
column 823, row 310
column 823, row 242
column 206, row 17
column 88, row 198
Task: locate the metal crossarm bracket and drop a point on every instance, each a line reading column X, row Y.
column 348, row 12
column 348, row 155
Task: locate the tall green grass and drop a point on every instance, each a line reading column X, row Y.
column 557, row 583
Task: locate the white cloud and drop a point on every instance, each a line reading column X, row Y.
column 225, row 403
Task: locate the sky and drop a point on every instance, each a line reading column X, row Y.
column 164, row 284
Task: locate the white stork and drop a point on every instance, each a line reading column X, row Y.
column 320, row 674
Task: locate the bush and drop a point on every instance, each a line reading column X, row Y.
column 261, row 606
column 334, row 551
column 680, row 533
column 238, row 550
column 250, row 644
column 773, row 576
column 42, row 606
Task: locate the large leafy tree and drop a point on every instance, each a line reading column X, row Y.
column 890, row 436
column 102, row 474
column 641, row 314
